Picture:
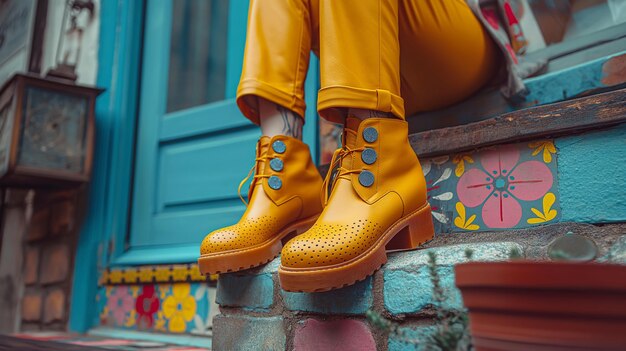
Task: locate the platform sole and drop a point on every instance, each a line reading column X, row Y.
column 407, row 233
column 237, row 260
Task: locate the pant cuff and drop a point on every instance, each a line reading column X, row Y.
column 254, row 88
column 331, row 100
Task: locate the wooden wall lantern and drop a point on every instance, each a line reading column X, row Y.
column 46, row 132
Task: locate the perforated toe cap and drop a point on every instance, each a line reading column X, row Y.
column 242, row 235
column 329, row 244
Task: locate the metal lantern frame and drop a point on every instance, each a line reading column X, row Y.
column 13, row 98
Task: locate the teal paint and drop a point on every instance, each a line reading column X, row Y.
column 157, row 254
column 419, row 336
column 106, row 216
column 568, row 83
column 188, row 162
column 354, row 299
column 411, row 291
column 310, row 132
column 592, row 179
column 152, row 108
column 200, row 120
column 405, row 291
column 251, row 292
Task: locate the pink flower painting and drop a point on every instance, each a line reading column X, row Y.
column 501, row 184
column 120, row 303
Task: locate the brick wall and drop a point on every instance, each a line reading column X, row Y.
column 49, row 246
column 257, row 314
column 15, row 205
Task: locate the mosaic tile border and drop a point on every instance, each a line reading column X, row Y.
column 154, row 274
column 168, row 307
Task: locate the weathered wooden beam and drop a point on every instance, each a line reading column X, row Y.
column 592, row 112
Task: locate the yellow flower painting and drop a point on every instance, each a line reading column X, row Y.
column 460, row 160
column 548, row 148
column 179, row 308
column 548, row 213
column 460, row 220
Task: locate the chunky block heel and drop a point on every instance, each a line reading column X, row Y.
column 418, row 230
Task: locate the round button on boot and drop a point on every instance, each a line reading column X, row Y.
column 366, row 178
column 368, row 156
column 276, row 164
column 279, row 146
column 370, row 134
column 274, row 182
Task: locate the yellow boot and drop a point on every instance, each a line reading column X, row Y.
column 378, row 201
column 284, row 199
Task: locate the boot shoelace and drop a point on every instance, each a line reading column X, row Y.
column 338, row 156
column 254, row 178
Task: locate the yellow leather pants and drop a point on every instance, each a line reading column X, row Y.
column 397, row 56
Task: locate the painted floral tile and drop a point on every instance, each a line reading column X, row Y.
column 501, row 187
column 173, row 308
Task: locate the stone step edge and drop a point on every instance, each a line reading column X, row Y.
column 402, row 286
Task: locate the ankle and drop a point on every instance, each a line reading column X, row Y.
column 278, row 120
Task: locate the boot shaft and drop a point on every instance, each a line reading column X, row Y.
column 288, row 172
column 386, row 163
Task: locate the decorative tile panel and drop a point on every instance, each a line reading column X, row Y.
column 500, row 187
column 171, row 307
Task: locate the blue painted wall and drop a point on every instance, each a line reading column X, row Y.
column 107, row 215
column 568, row 83
column 592, row 176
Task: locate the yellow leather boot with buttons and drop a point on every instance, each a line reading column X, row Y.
column 284, row 199
column 378, row 202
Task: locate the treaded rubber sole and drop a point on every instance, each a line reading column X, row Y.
column 407, row 233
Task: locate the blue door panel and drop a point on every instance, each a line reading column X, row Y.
column 189, row 163
column 203, row 119
column 190, row 226
column 207, row 169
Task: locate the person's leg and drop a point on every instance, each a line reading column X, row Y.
column 278, row 120
column 446, row 55
column 359, row 59
column 276, row 58
column 284, row 195
column 378, row 197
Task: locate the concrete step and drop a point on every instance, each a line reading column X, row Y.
column 257, row 314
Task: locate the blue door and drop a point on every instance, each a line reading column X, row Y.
column 193, row 145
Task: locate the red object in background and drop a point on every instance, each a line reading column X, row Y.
column 147, row 305
column 541, row 306
column 518, row 40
